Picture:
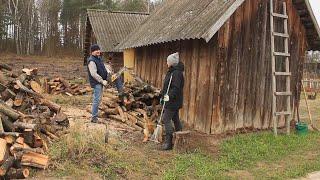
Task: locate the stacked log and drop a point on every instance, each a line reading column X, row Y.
column 131, row 107
column 28, row 123
column 59, row 85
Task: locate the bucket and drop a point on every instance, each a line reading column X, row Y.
column 301, row 128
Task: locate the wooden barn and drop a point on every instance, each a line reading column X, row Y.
column 108, row 29
column 226, row 48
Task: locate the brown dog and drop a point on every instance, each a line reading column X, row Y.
column 149, row 122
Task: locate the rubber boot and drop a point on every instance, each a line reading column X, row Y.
column 168, row 143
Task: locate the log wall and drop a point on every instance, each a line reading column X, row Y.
column 228, row 79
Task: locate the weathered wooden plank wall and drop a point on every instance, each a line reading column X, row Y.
column 228, row 80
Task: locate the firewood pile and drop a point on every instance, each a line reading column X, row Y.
column 133, row 107
column 59, row 85
column 28, row 123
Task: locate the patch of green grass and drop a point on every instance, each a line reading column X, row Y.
column 258, row 154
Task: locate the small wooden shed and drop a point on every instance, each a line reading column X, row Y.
column 108, row 29
column 225, row 46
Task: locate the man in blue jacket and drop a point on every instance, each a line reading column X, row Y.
column 98, row 76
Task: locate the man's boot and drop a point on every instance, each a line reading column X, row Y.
column 168, row 143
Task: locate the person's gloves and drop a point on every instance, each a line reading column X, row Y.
column 166, row 98
column 105, row 83
column 161, row 101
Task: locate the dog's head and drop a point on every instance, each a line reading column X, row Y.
column 149, row 111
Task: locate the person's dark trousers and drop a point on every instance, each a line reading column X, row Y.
column 169, row 115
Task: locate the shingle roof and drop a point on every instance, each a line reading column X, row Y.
column 200, row 19
column 182, row 19
column 110, row 28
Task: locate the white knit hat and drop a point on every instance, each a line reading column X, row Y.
column 173, row 59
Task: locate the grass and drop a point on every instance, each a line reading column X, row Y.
column 71, row 101
column 258, row 156
column 79, row 152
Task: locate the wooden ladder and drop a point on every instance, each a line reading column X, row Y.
column 284, row 58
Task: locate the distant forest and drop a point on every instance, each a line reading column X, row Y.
column 53, row 27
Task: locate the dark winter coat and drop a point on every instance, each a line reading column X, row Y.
column 176, row 88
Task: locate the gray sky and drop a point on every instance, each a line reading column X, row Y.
column 315, row 4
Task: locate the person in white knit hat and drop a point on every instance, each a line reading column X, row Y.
column 174, row 98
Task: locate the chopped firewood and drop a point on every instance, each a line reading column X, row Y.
column 8, row 111
column 7, row 124
column 28, row 136
column 53, row 106
column 122, row 115
column 20, row 140
column 19, row 99
column 3, row 149
column 1, row 126
column 10, row 139
column 18, row 173
column 22, row 125
column 36, row 87
column 37, row 140
column 6, row 166
column 35, row 160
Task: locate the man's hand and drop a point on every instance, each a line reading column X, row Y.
column 113, row 77
column 105, row 83
column 166, row 98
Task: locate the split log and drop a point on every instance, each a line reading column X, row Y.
column 1, row 126
column 14, row 134
column 37, row 141
column 3, row 150
column 6, row 166
column 122, row 115
column 9, row 103
column 28, row 137
column 3, row 87
column 7, row 94
column 111, row 111
column 5, row 66
column 3, row 79
column 22, row 78
column 23, row 125
column 7, row 124
column 51, row 105
column 111, row 104
column 35, row 160
column 36, row 87
column 20, row 140
column 10, row 139
column 51, row 135
column 19, row 99
column 18, row 173
column 8, row 111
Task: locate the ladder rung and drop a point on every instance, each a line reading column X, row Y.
column 283, row 93
column 281, row 54
column 280, row 15
column 283, row 113
column 281, row 35
column 282, row 73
